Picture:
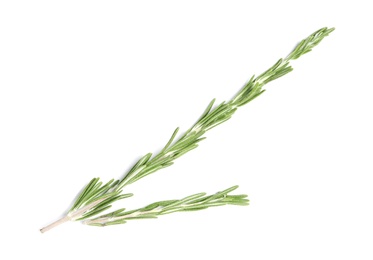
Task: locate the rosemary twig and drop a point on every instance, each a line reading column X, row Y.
column 96, row 197
column 194, row 202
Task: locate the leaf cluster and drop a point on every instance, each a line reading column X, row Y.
column 100, row 195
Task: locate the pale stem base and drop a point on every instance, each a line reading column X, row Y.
column 55, row 224
column 71, row 216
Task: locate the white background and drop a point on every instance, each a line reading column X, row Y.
column 87, row 87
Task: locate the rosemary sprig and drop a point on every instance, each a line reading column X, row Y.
column 194, row 202
column 96, row 197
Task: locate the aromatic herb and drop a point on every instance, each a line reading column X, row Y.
column 98, row 197
column 191, row 203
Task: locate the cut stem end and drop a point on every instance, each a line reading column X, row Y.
column 55, row 224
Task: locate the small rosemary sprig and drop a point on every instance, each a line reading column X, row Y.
column 194, row 202
column 97, row 197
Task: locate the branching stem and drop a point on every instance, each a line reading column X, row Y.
column 71, row 216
